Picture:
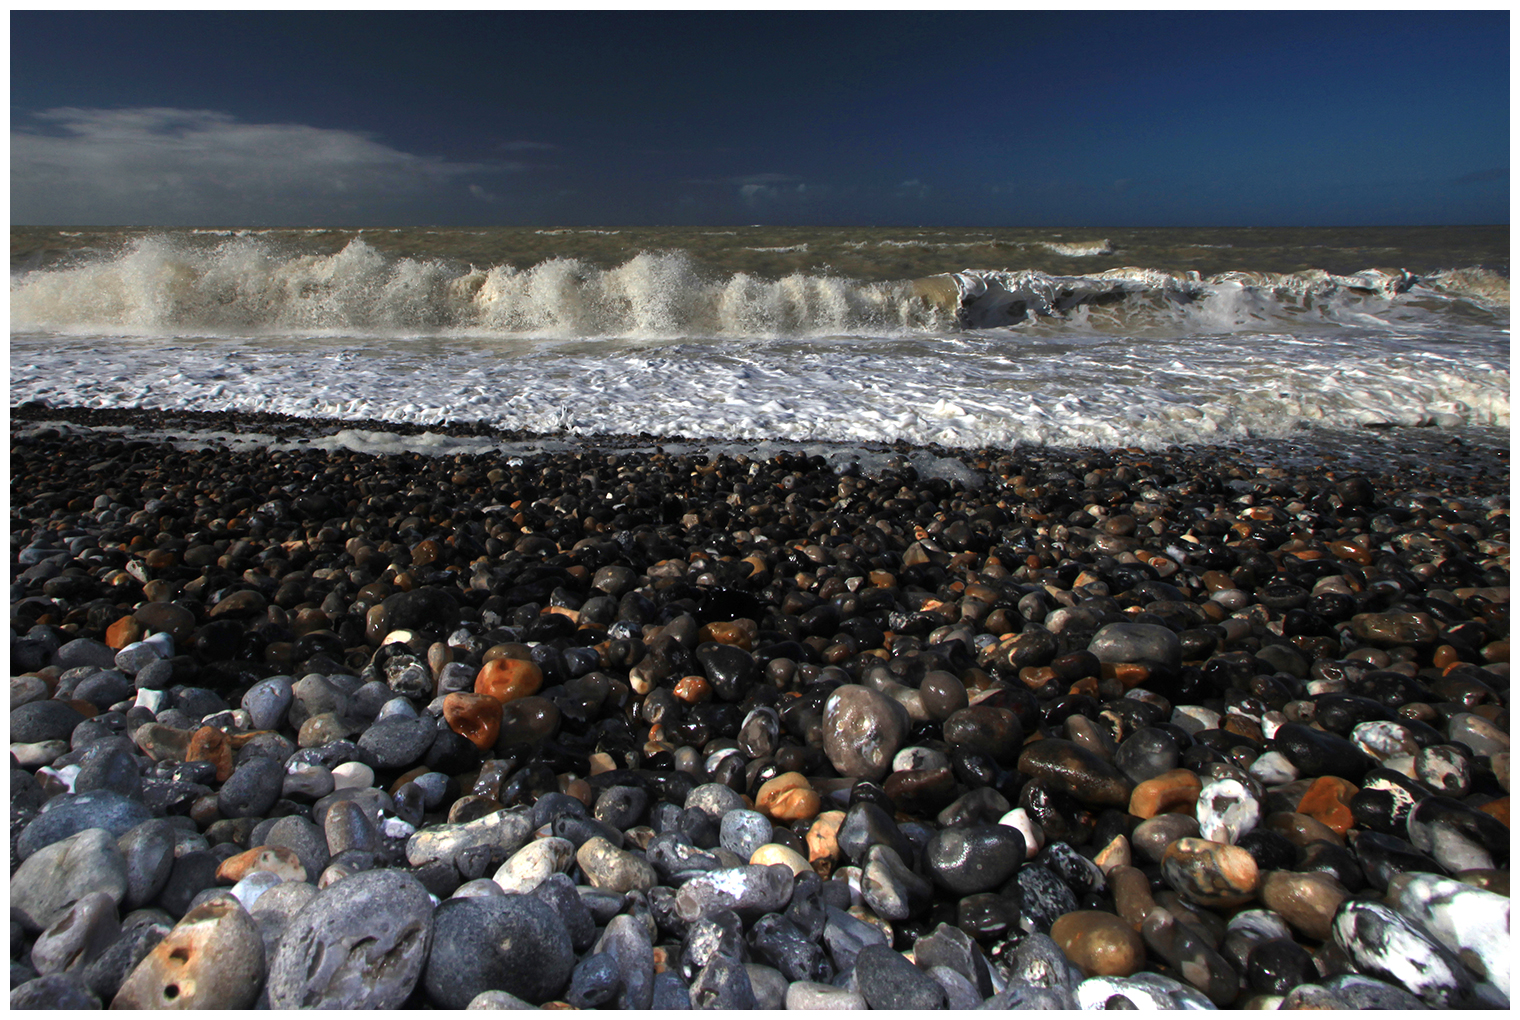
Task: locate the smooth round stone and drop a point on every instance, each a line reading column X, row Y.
column 515, row 944
column 862, row 731
column 1039, row 897
column 140, row 933
column 1272, row 769
column 1076, row 771
column 975, row 859
column 1226, row 811
column 608, row 867
column 268, row 702
column 308, row 782
column 890, row 888
column 148, row 851
column 1445, row 769
column 1384, row 943
column 1383, row 739
column 1174, row 791
column 1459, row 837
column 723, row 985
column 1151, row 837
column 1277, row 966
column 476, row 717
column 595, row 982
column 1210, row 874
column 70, row 814
column 744, row 831
column 888, row 981
column 1472, row 923
column 252, row 887
column 1474, row 731
column 279, row 861
column 359, row 944
column 1099, row 942
column 53, row 991
column 1020, row 820
column 352, row 774
column 1137, row 643
column 943, row 695
column 527, row 869
column 813, row 995
column 78, row 937
column 52, row 880
column 628, row 940
column 1306, row 901
column 303, row 838
column 1190, row 954
column 985, row 729
column 789, row 798
column 39, row 721
column 621, row 807
column 714, row 800
column 1317, row 753
column 749, row 890
column 252, row 789
column 508, row 679
column 212, row 959
column 85, row 652
column 1146, row 754
column 918, row 757
column 398, row 741
column 496, row 999
column 776, row 853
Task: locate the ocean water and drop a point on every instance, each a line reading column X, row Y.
column 960, row 338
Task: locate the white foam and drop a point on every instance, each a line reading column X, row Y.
column 1127, row 356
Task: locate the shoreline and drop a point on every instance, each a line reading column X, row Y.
column 1470, row 452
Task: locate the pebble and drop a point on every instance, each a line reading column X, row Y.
column 1382, row 942
column 510, row 943
column 360, row 943
column 1099, row 942
column 1140, row 670
column 888, row 981
column 862, row 731
column 212, row 959
column 52, row 880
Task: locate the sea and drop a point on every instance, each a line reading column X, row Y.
column 1338, row 339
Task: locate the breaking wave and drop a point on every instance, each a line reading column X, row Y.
column 244, row 284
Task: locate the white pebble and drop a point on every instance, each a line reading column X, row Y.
column 352, row 774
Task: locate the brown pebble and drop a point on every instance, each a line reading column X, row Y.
column 476, row 717
column 1306, row 900
column 1099, row 943
column 507, row 680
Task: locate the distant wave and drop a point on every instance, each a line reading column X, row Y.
column 247, row 285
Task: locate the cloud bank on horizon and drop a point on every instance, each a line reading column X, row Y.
column 185, row 167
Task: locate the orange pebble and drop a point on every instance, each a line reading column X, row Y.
column 1170, row 792
column 123, row 632
column 693, row 689
column 508, row 679
column 476, row 717
column 1499, row 809
column 1327, row 802
column 210, row 744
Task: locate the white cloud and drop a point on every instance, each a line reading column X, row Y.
column 170, row 167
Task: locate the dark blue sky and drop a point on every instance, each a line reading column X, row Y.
column 1095, row 118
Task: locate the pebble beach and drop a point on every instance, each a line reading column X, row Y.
column 605, row 723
